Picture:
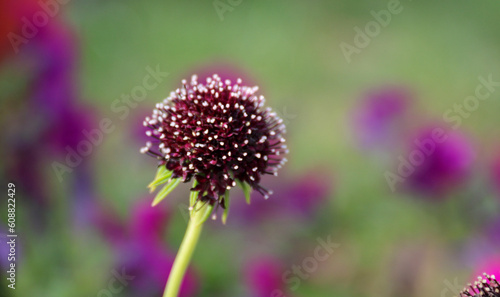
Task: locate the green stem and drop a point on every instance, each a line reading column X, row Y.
column 185, row 252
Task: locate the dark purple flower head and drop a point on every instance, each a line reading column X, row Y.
column 485, row 285
column 216, row 133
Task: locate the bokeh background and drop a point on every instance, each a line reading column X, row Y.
column 353, row 124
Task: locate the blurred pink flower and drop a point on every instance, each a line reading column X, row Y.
column 140, row 249
column 377, row 115
column 298, row 196
column 54, row 87
column 493, row 231
column 52, row 118
column 110, row 225
column 148, row 223
column 442, row 165
column 68, row 128
column 150, row 266
column 30, row 148
column 495, row 173
column 490, row 266
column 11, row 21
column 263, row 276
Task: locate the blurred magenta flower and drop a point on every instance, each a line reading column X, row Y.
column 51, row 99
column 440, row 164
column 69, row 128
column 54, row 88
column 11, row 22
column 149, row 223
column 54, row 96
column 56, row 120
column 490, row 265
column 263, row 277
column 29, row 153
column 495, row 173
column 140, row 250
column 150, row 266
column 110, row 225
column 377, row 116
column 297, row 196
column 493, row 230
column 25, row 167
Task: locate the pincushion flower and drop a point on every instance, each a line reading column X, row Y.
column 216, row 134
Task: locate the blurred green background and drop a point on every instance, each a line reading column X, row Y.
column 401, row 243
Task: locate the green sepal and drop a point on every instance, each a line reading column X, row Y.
column 201, row 215
column 247, row 190
column 166, row 190
column 192, row 199
column 162, row 176
column 226, row 207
